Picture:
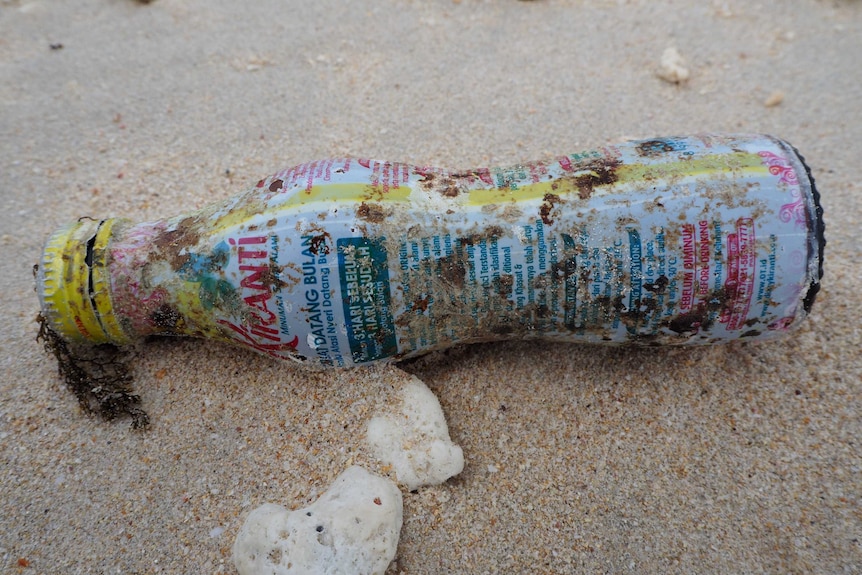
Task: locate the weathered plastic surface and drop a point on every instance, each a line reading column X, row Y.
column 342, row 262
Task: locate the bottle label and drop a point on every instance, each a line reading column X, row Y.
column 349, row 261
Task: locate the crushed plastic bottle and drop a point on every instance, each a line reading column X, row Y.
column 342, row 262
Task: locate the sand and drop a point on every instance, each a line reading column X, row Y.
column 742, row 458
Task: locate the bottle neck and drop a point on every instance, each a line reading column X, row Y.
column 166, row 278
column 114, row 281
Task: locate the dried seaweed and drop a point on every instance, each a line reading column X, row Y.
column 99, row 376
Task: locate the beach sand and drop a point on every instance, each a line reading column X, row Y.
column 742, row 458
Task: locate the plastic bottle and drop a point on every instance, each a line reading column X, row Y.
column 682, row 240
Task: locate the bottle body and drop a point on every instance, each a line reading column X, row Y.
column 345, row 262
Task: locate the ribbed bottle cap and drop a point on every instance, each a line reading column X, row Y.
column 74, row 287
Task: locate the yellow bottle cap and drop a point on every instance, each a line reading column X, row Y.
column 74, row 284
